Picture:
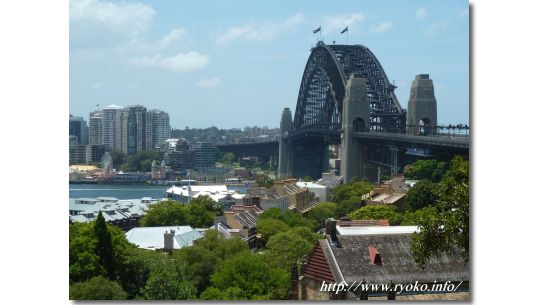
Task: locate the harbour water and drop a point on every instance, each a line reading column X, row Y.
column 126, row 191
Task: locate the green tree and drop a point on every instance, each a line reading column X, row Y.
column 322, row 211
column 347, row 206
column 447, row 230
column 307, row 234
column 423, row 193
column 246, row 276
column 286, row 248
column 84, row 263
column 350, row 190
column 270, row 227
column 118, row 158
column 426, row 169
column 166, row 283
column 135, row 270
column 263, row 180
column 227, row 158
column 103, row 248
column 414, row 218
column 199, row 213
column 370, row 212
column 97, row 288
column 201, row 260
column 307, row 179
column 165, row 213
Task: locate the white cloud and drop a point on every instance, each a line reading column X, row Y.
column 94, row 21
column 209, row 82
column 435, row 29
column 257, row 32
column 382, row 27
column 337, row 23
column 97, row 85
column 181, row 62
column 421, row 13
column 175, row 35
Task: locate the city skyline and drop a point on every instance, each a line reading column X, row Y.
column 247, row 68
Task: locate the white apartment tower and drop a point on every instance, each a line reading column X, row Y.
column 110, row 115
column 160, row 127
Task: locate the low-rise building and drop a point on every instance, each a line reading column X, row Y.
column 122, row 213
column 163, row 238
column 266, row 198
column 300, row 200
column 320, row 191
column 390, row 192
column 219, row 193
column 377, row 255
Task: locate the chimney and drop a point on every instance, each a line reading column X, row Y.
column 169, row 240
column 330, row 229
column 375, row 257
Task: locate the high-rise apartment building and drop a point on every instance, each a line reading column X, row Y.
column 160, row 127
column 131, row 132
column 96, row 128
column 108, row 127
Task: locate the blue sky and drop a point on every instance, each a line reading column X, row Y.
column 239, row 63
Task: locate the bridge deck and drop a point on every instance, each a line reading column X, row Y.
column 460, row 142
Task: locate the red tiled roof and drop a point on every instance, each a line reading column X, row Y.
column 318, row 267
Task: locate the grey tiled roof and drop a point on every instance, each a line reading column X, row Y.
column 397, row 264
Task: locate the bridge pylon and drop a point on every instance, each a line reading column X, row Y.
column 285, row 151
column 422, row 106
column 355, row 117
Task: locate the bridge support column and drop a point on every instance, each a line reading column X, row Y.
column 422, row 106
column 285, row 151
column 355, row 117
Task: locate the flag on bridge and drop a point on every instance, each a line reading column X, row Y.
column 344, row 30
column 317, row 30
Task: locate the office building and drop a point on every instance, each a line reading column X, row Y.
column 204, row 154
column 79, row 129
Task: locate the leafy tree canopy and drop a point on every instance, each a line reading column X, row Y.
column 270, row 227
column 97, row 288
column 423, row 193
column 202, row 259
column 199, row 212
column 322, row 211
column 414, row 218
column 246, row 276
column 448, row 229
column 286, row 248
column 426, row 169
column 377, row 212
column 290, row 218
column 263, row 180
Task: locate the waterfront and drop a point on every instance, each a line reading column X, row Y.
column 124, row 191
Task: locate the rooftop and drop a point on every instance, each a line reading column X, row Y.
column 152, row 238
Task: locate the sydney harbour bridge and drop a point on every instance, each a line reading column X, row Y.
column 346, row 100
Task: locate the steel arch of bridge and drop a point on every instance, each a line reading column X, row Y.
column 322, row 91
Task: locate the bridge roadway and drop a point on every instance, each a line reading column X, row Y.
column 405, row 139
column 270, row 148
